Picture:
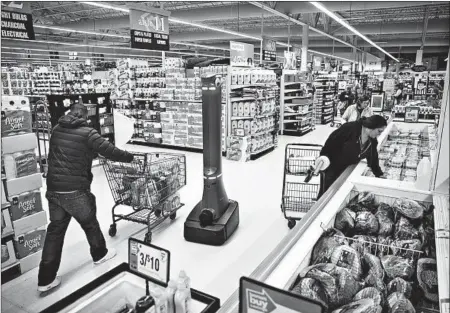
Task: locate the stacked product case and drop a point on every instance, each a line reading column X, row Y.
column 23, row 219
column 325, row 90
column 252, row 109
column 297, row 105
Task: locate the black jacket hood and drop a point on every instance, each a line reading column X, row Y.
column 71, row 121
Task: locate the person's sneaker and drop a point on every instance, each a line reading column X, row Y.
column 111, row 253
column 55, row 283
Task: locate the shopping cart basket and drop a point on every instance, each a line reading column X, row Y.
column 297, row 196
column 148, row 185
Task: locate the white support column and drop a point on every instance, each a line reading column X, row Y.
column 305, row 44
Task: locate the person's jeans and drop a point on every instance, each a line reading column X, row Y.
column 62, row 207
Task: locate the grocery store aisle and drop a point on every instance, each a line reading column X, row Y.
column 256, row 185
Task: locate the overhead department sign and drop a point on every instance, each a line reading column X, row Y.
column 17, row 25
column 149, row 30
column 269, row 49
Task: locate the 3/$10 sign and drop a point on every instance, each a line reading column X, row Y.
column 149, row 30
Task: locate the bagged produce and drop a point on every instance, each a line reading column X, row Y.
column 363, row 243
column 385, row 217
column 366, row 224
column 384, row 245
column 364, row 201
column 370, row 293
column 338, row 282
column 349, row 258
column 403, row 248
column 375, row 272
column 396, row 266
column 427, row 278
column 398, row 303
column 399, row 285
column 360, row 306
column 312, row 289
column 325, row 245
column 409, row 208
column 386, row 210
column 405, row 230
column 345, row 220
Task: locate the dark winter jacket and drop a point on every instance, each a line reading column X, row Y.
column 343, row 149
column 73, row 146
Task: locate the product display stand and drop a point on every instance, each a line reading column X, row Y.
column 106, row 290
column 324, row 98
column 23, row 219
column 252, row 112
column 297, row 113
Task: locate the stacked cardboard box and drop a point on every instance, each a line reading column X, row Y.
column 23, row 219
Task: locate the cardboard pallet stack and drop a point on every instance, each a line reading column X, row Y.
column 23, row 218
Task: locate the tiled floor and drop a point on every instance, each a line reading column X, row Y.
column 256, row 185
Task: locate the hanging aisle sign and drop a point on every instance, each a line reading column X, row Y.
column 256, row 297
column 269, row 50
column 16, row 25
column 241, row 54
column 149, row 31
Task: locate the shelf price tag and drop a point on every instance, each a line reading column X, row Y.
column 151, row 261
column 257, row 297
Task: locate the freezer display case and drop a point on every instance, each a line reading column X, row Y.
column 119, row 289
column 389, row 253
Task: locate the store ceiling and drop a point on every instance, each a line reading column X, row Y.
column 392, row 25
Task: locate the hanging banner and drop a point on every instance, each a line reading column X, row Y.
column 16, row 25
column 241, row 54
column 298, row 54
column 290, row 62
column 149, row 31
column 269, row 49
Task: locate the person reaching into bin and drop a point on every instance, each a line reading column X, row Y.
column 358, row 110
column 73, row 146
column 348, row 145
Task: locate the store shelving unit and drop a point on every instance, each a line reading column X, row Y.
column 325, row 90
column 252, row 109
column 297, row 112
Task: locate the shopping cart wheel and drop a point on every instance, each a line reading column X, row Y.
column 157, row 213
column 148, row 238
column 332, row 124
column 112, row 230
column 173, row 216
column 291, row 224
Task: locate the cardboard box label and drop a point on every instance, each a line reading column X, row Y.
column 25, row 204
column 29, row 243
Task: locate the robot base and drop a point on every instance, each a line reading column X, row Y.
column 216, row 234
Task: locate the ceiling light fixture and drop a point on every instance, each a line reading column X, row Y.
column 79, row 31
column 349, row 27
column 106, row 6
column 102, row 47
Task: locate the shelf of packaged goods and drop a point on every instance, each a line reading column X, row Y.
column 292, row 90
column 263, row 149
column 297, row 121
column 233, row 118
column 233, row 87
column 296, row 104
column 164, row 100
column 293, row 83
column 236, row 99
column 296, row 97
column 262, row 132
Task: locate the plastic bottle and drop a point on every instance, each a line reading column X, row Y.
column 183, row 278
column 170, row 295
column 423, row 174
column 182, row 299
column 160, row 300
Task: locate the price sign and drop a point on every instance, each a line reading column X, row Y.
column 412, row 114
column 151, row 261
column 256, row 297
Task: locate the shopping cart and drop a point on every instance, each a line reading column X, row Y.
column 297, row 196
column 43, row 128
column 148, row 185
